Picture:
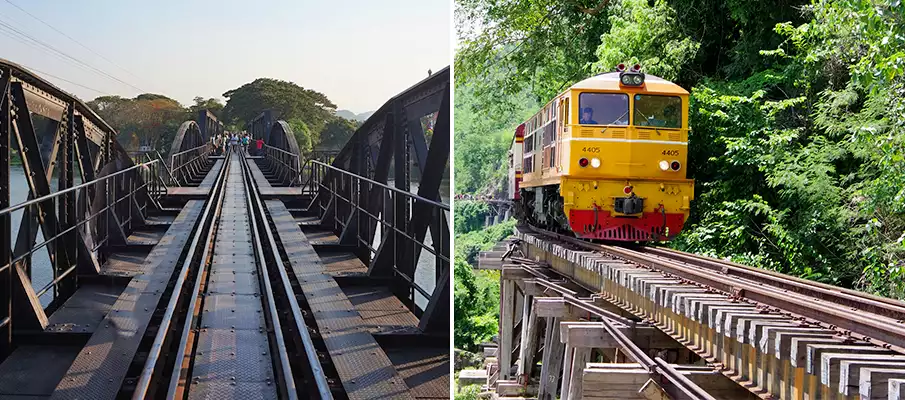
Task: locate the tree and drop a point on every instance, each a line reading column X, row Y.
column 287, row 100
column 540, row 45
column 147, row 120
column 336, row 133
column 213, row 105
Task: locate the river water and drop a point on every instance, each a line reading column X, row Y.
column 425, row 270
column 42, row 272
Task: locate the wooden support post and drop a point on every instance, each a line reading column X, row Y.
column 552, row 361
column 581, row 358
column 567, row 369
column 529, row 339
column 504, row 354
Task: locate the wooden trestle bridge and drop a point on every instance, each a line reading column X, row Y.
column 588, row 321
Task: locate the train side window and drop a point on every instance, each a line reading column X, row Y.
column 603, row 108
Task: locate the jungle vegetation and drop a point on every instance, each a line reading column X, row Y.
column 797, row 116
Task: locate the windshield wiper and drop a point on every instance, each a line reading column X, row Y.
column 618, row 118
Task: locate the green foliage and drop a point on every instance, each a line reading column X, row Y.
column 645, row 34
column 287, row 100
column 483, row 136
column 476, row 305
column 336, row 133
column 468, row 392
column 213, row 105
column 542, row 45
column 470, row 215
column 477, row 293
column 147, row 120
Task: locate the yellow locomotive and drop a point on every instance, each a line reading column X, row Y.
column 605, row 159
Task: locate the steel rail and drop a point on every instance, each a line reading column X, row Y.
column 301, row 327
column 144, row 382
column 890, row 332
column 264, row 279
column 880, row 330
column 635, row 353
column 846, row 297
column 189, row 323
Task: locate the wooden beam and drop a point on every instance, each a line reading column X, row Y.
column 552, row 361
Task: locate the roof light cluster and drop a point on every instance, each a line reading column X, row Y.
column 631, row 77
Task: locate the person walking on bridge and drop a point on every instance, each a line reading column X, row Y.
column 233, row 140
column 217, row 141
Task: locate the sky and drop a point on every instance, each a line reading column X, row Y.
column 358, row 53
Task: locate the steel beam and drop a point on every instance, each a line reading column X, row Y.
column 6, row 276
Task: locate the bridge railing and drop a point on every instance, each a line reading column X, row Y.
column 288, row 164
column 87, row 219
column 369, row 212
column 189, row 162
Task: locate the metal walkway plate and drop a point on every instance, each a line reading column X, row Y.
column 365, row 370
column 260, row 180
column 99, row 369
column 211, row 176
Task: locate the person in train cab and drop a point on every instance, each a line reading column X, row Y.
column 587, row 116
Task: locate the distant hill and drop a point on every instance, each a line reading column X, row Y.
column 353, row 116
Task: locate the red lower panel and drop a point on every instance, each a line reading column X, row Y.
column 649, row 227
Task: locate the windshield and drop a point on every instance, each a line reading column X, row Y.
column 603, row 109
column 658, row 111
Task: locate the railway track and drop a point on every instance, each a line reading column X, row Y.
column 233, row 326
column 778, row 336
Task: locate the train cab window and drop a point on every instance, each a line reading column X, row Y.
column 658, row 111
column 603, row 109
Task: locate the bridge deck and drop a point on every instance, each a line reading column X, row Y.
column 96, row 342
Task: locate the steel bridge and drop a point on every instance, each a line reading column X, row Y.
column 197, row 275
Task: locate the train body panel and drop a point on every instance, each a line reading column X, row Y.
column 606, row 160
column 515, row 163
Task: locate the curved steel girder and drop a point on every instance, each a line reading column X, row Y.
column 119, row 161
column 406, row 110
column 187, row 137
column 282, row 137
column 48, row 100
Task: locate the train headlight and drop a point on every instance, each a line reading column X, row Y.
column 631, row 78
column 583, row 162
column 675, row 165
column 595, row 162
column 664, row 165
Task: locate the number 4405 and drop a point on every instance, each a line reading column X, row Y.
column 670, row 152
